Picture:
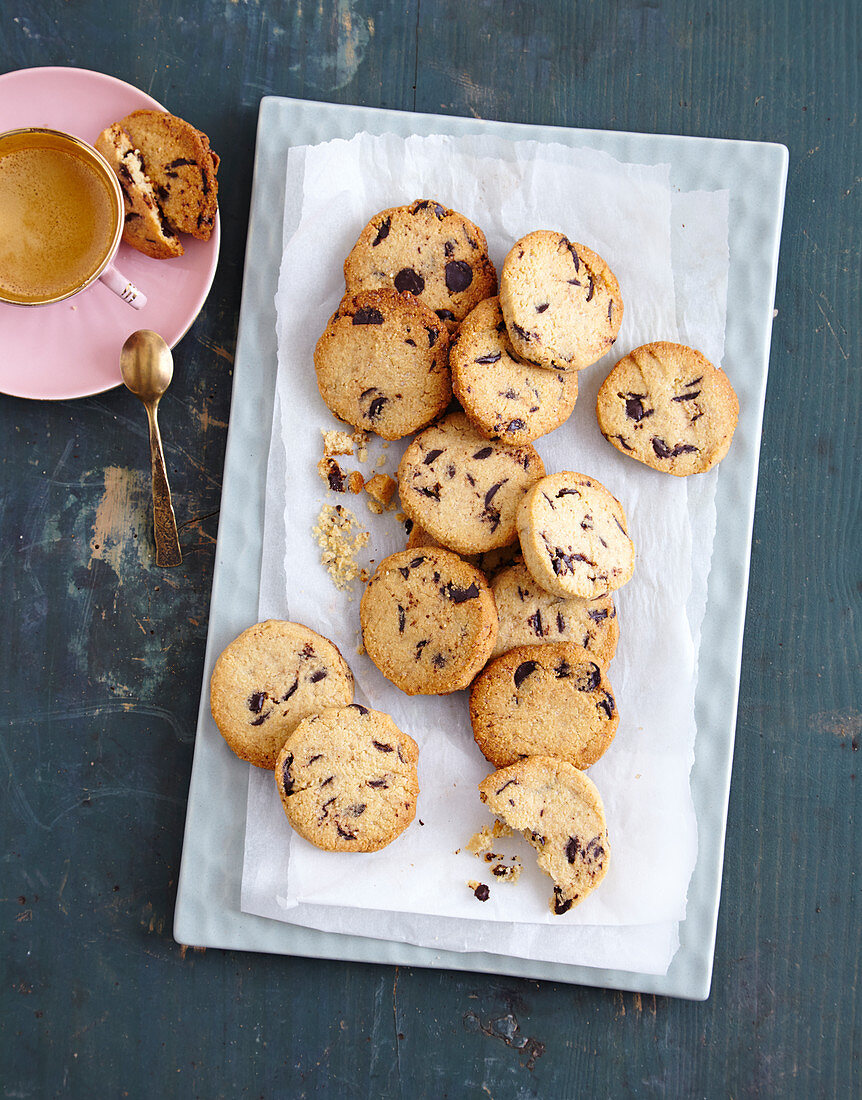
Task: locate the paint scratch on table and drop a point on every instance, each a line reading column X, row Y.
column 120, row 519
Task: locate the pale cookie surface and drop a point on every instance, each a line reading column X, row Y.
column 667, row 406
column 531, row 616
column 560, row 812
column 561, row 301
column 428, row 621
column 427, row 250
column 543, row 700
column 144, row 227
column 179, row 161
column 347, row 779
column 573, row 536
column 490, row 562
column 383, row 363
column 463, row 489
column 267, row 680
column 503, row 395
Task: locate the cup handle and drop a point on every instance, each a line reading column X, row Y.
column 121, row 285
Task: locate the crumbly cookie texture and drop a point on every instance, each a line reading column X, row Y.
column 559, row 811
column 667, row 406
column 427, row 250
column 543, row 700
column 483, row 840
column 381, row 487
column 573, row 536
column 531, row 616
column 560, row 300
column 144, row 227
column 340, row 537
column 336, row 442
column 428, row 621
column 267, row 680
column 463, row 489
column 382, row 363
column 347, row 779
column 505, row 396
column 182, row 166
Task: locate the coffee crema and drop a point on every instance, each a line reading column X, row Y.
column 58, row 218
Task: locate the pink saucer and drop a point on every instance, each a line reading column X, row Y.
column 72, row 348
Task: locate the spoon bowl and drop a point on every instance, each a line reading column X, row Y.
column 146, row 364
column 147, row 367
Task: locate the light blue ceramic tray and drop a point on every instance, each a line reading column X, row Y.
column 207, row 910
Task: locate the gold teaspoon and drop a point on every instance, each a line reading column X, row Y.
column 147, row 368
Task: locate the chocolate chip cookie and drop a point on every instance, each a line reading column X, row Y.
column 560, row 812
column 561, row 301
column 543, row 700
column 347, row 779
column 505, row 396
column 573, row 536
column 267, row 680
column 463, row 489
column 531, row 616
column 428, row 621
column 667, row 406
column 427, row 250
column 382, row 363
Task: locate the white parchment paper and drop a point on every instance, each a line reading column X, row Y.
column 664, row 254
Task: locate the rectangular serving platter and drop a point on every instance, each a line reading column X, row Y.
column 208, row 901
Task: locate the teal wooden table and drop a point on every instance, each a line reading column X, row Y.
column 103, row 653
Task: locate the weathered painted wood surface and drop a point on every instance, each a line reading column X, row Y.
column 103, row 653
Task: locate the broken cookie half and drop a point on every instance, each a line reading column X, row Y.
column 168, row 174
column 559, row 811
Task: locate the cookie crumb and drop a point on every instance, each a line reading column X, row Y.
column 480, row 890
column 336, row 442
column 360, row 438
column 360, row 650
column 481, row 842
column 332, row 474
column 381, row 487
column 355, row 481
column 376, row 507
column 340, row 537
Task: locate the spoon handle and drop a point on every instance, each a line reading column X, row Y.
column 164, row 522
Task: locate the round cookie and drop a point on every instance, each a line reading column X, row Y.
column 531, row 616
column 428, row 621
column 667, row 406
column 560, row 812
column 428, row 250
column 347, row 779
column 382, row 363
column 561, row 301
column 463, row 489
column 543, row 700
column 503, row 395
column 489, row 563
column 267, row 680
column 573, row 536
